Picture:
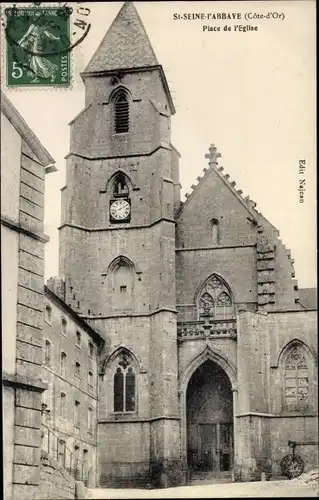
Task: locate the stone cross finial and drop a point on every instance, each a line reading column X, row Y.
column 213, row 155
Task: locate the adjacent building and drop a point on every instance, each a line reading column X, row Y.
column 24, row 164
column 70, row 369
column 176, row 338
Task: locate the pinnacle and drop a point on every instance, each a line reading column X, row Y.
column 125, row 45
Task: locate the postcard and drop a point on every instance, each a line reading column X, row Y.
column 158, row 204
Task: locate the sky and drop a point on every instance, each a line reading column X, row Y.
column 251, row 93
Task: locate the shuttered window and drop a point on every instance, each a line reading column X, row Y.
column 121, row 108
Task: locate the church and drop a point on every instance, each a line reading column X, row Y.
column 204, row 346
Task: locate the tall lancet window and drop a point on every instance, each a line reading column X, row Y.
column 124, row 384
column 215, row 231
column 121, row 112
column 296, row 379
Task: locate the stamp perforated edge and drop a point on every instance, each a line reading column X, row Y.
column 32, row 88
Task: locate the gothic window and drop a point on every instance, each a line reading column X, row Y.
column 121, row 112
column 124, row 385
column 120, row 187
column 63, row 359
column 48, row 353
column 215, row 300
column 223, row 300
column 206, row 303
column 215, row 231
column 296, row 379
column 122, row 281
column 77, row 369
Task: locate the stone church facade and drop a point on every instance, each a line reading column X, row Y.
column 208, row 351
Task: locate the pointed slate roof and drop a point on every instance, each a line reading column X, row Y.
column 125, row 45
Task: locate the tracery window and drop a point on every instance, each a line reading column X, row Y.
column 124, row 385
column 296, row 379
column 215, row 301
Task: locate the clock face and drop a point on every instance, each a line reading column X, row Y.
column 120, row 209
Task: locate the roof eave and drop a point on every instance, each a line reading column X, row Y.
column 108, row 72
column 27, row 134
column 74, row 315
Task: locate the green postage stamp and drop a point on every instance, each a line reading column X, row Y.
column 38, row 46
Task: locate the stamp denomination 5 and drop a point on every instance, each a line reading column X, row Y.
column 39, row 40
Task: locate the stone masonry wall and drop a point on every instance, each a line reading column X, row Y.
column 55, row 481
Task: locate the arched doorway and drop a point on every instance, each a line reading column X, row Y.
column 209, row 417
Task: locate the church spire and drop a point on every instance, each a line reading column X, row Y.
column 125, row 45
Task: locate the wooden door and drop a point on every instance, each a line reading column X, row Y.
column 208, row 446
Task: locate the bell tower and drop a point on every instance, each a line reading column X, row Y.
column 117, row 251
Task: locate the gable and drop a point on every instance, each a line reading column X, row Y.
column 215, row 198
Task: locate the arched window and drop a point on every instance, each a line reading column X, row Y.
column 124, row 384
column 215, row 300
column 296, row 379
column 121, row 112
column 121, row 275
column 120, row 187
column 77, row 369
column 215, row 231
column 63, row 359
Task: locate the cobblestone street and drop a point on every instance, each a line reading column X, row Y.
column 276, row 489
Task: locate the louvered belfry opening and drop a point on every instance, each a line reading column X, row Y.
column 121, row 105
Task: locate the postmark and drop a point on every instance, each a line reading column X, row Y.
column 39, row 40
